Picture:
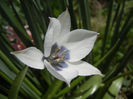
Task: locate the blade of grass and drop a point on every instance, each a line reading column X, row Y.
column 116, row 15
column 67, row 89
column 85, row 13
column 120, row 75
column 7, row 13
column 114, row 89
column 104, row 89
column 32, row 19
column 51, row 92
column 107, row 26
column 35, row 20
column 3, row 96
column 115, row 75
column 15, row 12
column 73, row 19
column 13, row 92
column 127, row 24
column 12, row 67
column 4, row 43
column 91, row 90
column 6, row 70
column 122, row 64
column 118, row 23
column 122, row 38
column 8, row 75
column 8, row 62
column 91, row 84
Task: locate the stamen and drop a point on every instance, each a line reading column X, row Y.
column 58, row 56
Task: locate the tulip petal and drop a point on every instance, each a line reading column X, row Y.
column 84, row 69
column 79, row 42
column 65, row 21
column 65, row 74
column 51, row 35
column 31, row 56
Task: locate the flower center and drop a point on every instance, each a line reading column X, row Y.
column 58, row 56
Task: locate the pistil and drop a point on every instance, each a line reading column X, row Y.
column 58, row 57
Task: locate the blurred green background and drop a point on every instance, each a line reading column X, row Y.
column 23, row 23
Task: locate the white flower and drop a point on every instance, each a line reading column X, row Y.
column 63, row 51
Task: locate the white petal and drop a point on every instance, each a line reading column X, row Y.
column 84, row 68
column 51, row 35
column 31, row 57
column 66, row 74
column 79, row 42
column 65, row 21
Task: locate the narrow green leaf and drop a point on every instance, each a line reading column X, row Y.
column 3, row 75
column 8, row 62
column 3, row 97
column 116, row 15
column 6, row 70
column 67, row 89
column 107, row 26
column 107, row 84
column 108, row 81
column 51, row 92
column 89, row 84
column 13, row 63
column 73, row 19
column 15, row 12
column 107, row 54
column 13, row 92
column 12, row 67
column 114, row 89
column 34, row 17
column 120, row 67
column 46, row 76
column 7, row 13
column 116, row 49
column 118, row 24
column 85, row 13
column 120, row 75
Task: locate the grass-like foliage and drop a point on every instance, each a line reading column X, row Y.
column 23, row 23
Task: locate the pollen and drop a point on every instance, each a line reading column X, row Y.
column 58, row 56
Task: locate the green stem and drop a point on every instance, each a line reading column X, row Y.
column 118, row 76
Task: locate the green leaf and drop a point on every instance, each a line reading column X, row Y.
column 3, row 97
column 85, row 13
column 67, row 89
column 13, row 92
column 89, row 87
column 114, row 89
column 118, row 24
column 118, row 68
column 8, row 14
column 71, row 10
column 13, row 68
column 35, row 21
column 107, row 26
column 7, row 71
column 51, row 92
column 93, row 83
column 8, row 62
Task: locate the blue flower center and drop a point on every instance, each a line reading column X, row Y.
column 58, row 56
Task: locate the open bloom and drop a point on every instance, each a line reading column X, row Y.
column 63, row 51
